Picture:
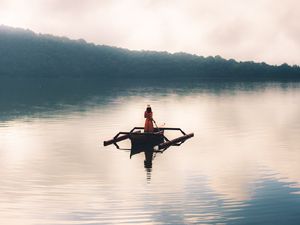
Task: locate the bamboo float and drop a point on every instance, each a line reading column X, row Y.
column 121, row 138
column 173, row 142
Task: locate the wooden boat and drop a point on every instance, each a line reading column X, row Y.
column 148, row 142
column 156, row 140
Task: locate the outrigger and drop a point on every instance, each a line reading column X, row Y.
column 156, row 140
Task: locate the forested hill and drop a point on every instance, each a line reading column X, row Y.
column 27, row 55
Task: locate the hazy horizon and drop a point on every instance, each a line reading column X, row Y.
column 260, row 31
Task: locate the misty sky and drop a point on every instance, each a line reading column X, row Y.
column 259, row 30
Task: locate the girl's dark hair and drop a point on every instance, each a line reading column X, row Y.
column 149, row 109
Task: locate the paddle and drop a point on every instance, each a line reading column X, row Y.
column 155, row 124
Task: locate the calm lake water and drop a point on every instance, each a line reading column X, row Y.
column 242, row 166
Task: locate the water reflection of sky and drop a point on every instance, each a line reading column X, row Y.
column 242, row 166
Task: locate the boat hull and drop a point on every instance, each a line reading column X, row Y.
column 144, row 142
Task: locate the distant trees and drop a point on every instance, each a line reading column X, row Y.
column 25, row 54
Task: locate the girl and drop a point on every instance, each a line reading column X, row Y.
column 149, row 120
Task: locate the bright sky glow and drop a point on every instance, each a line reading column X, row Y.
column 259, row 30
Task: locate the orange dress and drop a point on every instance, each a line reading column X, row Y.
column 148, row 123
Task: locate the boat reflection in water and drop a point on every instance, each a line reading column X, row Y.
column 150, row 143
